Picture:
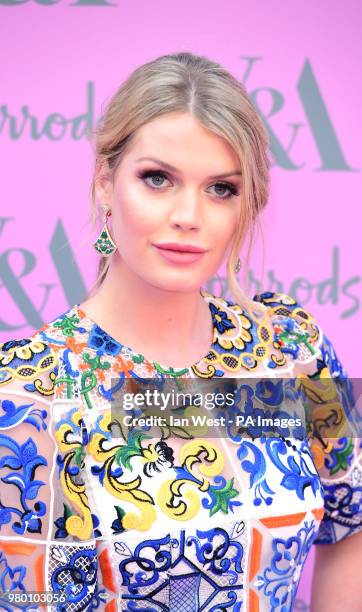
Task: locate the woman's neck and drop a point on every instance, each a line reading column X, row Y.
column 173, row 327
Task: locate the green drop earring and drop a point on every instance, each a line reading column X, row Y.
column 104, row 243
column 237, row 266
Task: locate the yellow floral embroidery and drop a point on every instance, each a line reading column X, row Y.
column 29, row 369
column 171, row 497
column 80, row 526
column 127, row 491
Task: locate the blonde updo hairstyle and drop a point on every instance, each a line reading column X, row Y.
column 194, row 84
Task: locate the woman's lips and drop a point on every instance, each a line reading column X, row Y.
column 179, row 256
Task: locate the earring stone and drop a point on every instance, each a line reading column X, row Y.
column 104, row 244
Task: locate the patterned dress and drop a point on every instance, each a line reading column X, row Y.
column 118, row 519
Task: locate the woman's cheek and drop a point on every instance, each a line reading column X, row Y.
column 135, row 231
column 127, row 217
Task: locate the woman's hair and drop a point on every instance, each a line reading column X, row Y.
column 197, row 85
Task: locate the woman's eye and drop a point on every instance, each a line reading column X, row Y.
column 155, row 179
column 151, row 174
column 231, row 190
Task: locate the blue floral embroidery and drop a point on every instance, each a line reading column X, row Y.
column 221, row 321
column 11, row 579
column 264, row 400
column 103, row 342
column 256, row 469
column 297, row 475
column 16, row 414
column 76, row 577
column 209, row 561
column 24, row 460
column 279, row 581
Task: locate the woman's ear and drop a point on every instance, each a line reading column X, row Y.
column 103, row 184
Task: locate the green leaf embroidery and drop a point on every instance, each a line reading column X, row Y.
column 125, row 453
column 222, row 497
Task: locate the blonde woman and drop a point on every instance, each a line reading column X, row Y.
column 99, row 515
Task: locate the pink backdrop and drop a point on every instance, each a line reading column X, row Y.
column 61, row 60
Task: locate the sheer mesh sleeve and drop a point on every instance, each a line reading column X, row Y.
column 333, row 417
column 48, row 536
column 26, row 451
column 332, row 407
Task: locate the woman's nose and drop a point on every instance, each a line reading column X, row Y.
column 187, row 211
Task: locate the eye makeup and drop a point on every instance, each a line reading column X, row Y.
column 149, row 174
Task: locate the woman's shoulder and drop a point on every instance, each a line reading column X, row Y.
column 284, row 306
column 31, row 361
column 270, row 331
column 297, row 332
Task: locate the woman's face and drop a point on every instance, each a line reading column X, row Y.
column 165, row 190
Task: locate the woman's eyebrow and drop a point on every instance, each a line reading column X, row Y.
column 173, row 169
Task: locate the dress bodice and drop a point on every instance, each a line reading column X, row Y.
column 170, row 516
